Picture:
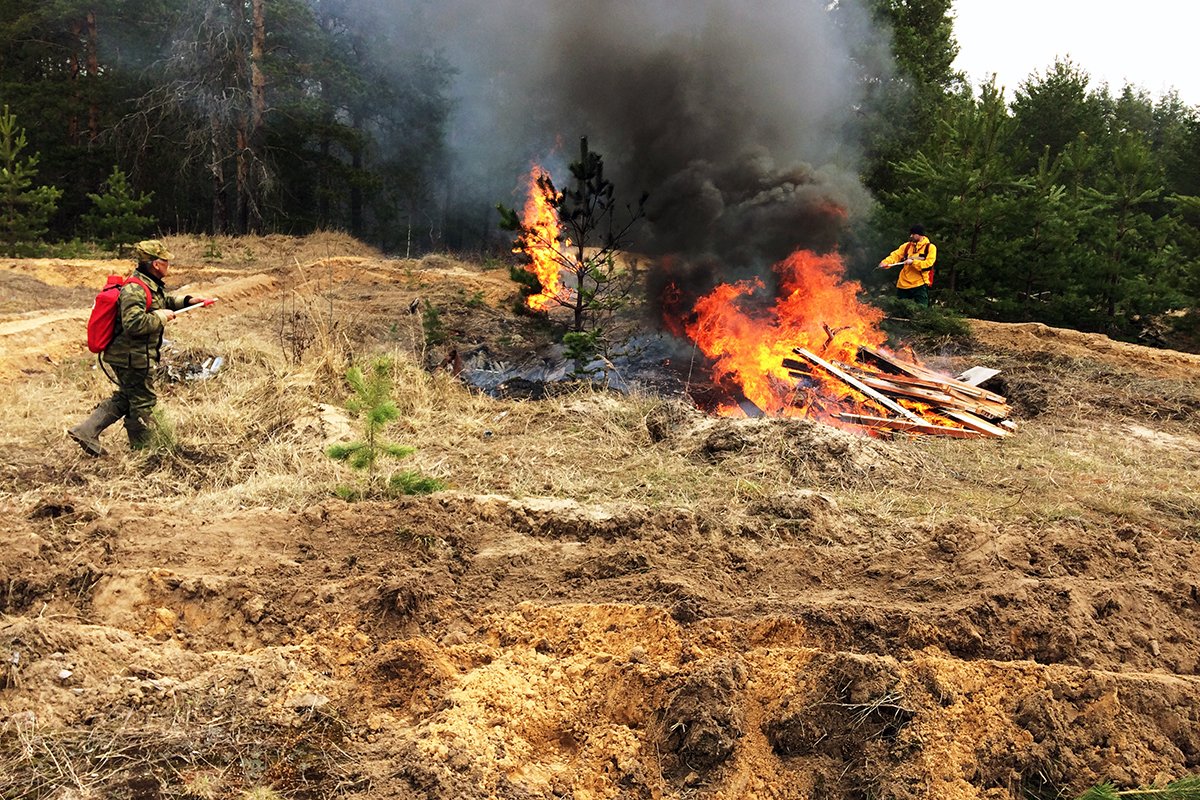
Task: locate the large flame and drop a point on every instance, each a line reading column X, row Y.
column 816, row 310
column 540, row 240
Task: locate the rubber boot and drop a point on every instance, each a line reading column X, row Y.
column 87, row 433
column 138, row 428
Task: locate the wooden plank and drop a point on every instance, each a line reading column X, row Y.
column 897, row 364
column 894, row 385
column 887, row 403
column 793, row 364
column 750, row 409
column 933, row 397
column 907, row 426
column 949, row 386
column 916, row 372
column 906, row 390
column 974, row 422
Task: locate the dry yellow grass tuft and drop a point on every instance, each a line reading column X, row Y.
column 269, row 249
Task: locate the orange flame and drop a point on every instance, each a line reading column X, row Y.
column 816, row 310
column 540, row 242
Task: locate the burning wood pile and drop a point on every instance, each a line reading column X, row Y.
column 799, row 345
column 812, row 349
column 940, row 404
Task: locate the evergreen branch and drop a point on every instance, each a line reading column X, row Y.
column 341, row 452
column 363, row 458
column 1183, row 789
column 354, row 377
column 382, row 413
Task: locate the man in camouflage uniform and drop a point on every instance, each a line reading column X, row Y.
column 132, row 355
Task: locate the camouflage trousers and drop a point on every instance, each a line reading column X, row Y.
column 135, row 399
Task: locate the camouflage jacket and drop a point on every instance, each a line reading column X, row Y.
column 139, row 333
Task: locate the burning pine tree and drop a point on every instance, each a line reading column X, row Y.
column 575, row 233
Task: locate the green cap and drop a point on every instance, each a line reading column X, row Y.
column 151, row 249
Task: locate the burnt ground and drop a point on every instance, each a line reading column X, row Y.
column 617, row 597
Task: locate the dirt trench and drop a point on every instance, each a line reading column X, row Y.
column 483, row 646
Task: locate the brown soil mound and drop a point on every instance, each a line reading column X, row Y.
column 1034, row 337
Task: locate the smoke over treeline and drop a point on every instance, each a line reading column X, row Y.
column 406, row 121
column 735, row 118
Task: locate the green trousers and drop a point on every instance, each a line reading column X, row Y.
column 918, row 294
column 135, row 398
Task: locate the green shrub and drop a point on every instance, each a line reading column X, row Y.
column 431, row 324
column 913, row 323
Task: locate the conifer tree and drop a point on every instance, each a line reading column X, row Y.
column 372, row 401
column 115, row 218
column 1127, row 270
column 590, row 237
column 24, row 208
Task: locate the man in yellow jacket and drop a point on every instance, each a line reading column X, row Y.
column 915, row 259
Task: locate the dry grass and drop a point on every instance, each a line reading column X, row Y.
column 270, row 249
column 161, row 756
column 1097, row 443
column 253, row 435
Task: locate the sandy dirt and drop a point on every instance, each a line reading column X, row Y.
column 1034, row 338
column 1023, row 630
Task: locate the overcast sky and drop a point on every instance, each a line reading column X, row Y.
column 1152, row 44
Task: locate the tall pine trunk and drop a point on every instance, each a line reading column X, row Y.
column 220, row 211
column 93, row 73
column 356, row 192
column 249, row 149
column 83, row 74
column 250, row 78
column 258, row 80
column 241, row 117
column 73, row 72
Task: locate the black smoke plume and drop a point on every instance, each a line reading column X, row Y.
column 735, row 117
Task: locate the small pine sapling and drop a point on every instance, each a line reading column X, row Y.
column 372, row 402
column 1183, row 789
column 432, row 326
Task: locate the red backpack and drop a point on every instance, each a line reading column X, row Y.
column 102, row 324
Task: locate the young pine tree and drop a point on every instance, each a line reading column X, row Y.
column 116, row 219
column 590, row 238
column 24, row 208
column 372, row 402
